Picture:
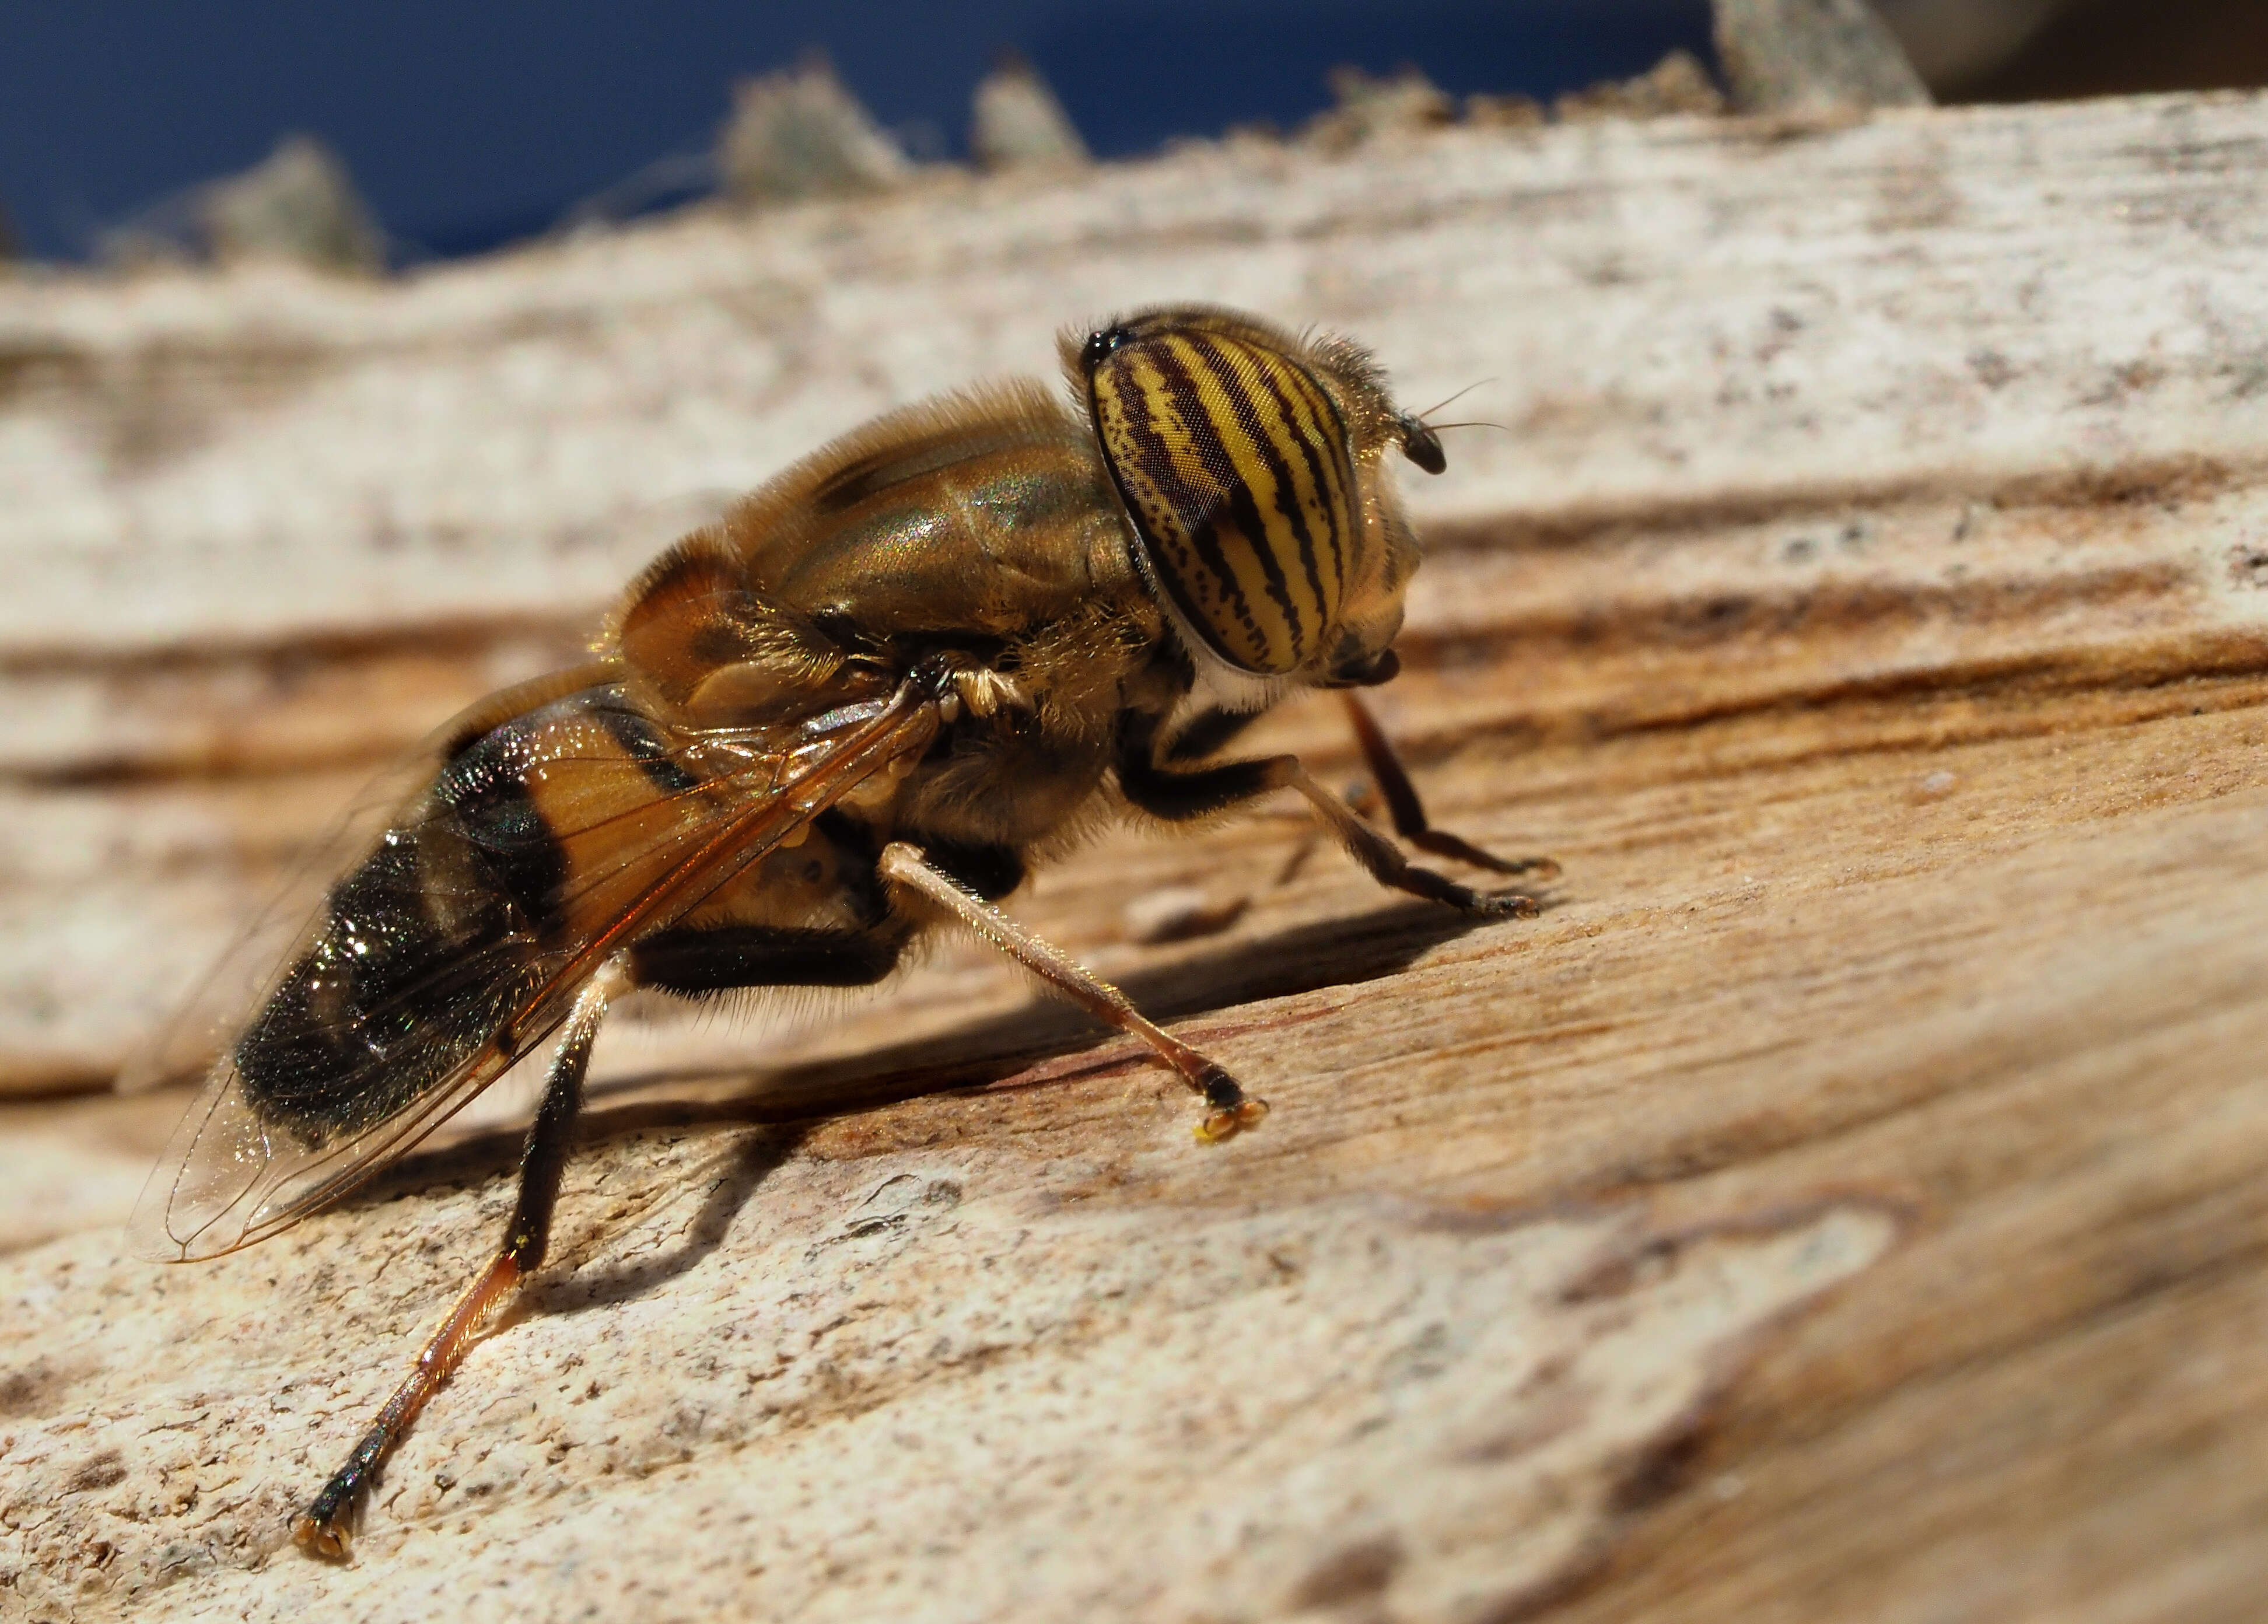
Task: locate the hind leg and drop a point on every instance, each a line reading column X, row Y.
column 689, row 962
column 326, row 1527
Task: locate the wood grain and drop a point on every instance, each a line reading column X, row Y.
column 1845, row 1202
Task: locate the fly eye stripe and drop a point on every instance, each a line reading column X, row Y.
column 1253, row 526
column 1233, row 464
column 1277, row 417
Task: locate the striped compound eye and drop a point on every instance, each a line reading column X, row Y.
column 1233, row 464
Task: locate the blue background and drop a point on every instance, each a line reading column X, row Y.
column 469, row 122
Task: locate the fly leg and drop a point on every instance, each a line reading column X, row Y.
column 696, row 962
column 1207, row 732
column 324, row 1528
column 1229, row 1107
column 1180, row 795
column 1384, row 859
column 1409, row 812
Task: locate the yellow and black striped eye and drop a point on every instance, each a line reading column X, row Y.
column 1233, row 464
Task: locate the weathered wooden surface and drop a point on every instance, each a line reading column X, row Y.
column 1846, row 1201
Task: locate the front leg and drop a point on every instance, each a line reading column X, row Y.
column 1409, row 812
column 1179, row 795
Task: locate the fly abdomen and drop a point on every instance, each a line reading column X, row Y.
column 427, row 952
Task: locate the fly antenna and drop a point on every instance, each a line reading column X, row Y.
column 1425, row 416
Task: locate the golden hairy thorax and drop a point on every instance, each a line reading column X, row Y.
column 983, row 520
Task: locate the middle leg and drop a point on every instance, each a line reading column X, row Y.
column 1230, row 1108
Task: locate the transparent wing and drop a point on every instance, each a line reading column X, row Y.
column 230, row 1176
column 641, row 832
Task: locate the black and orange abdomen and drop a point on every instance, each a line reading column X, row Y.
column 533, row 839
column 422, row 955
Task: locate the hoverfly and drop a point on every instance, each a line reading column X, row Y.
column 852, row 709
